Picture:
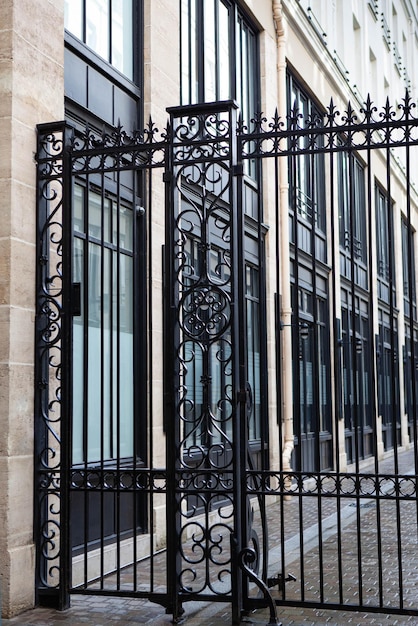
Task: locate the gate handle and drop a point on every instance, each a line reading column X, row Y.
column 248, row 397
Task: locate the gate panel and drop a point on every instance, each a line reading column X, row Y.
column 99, row 485
column 342, row 521
column 109, row 486
column 205, row 270
column 51, row 389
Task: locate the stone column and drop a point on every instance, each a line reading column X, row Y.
column 31, row 92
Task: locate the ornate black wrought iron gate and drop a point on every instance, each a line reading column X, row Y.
column 119, row 515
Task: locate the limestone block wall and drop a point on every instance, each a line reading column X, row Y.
column 31, row 92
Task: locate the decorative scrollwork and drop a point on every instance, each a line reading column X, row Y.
column 50, row 156
column 367, row 127
column 247, row 558
column 347, row 485
column 205, row 544
column 202, row 137
column 117, row 150
column 206, row 312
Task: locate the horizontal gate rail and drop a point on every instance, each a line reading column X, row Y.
column 334, row 132
column 343, row 485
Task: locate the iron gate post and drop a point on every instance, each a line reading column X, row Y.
column 202, row 158
column 52, row 365
column 171, row 421
column 240, row 379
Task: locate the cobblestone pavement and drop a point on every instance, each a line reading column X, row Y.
column 95, row 611
column 315, row 581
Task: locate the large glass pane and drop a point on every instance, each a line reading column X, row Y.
column 360, row 211
column 210, row 51
column 97, row 27
column 253, row 351
column 194, row 65
column 106, row 330
column 99, row 212
column 306, row 386
column 192, row 407
column 224, row 53
column 215, row 46
column 244, row 94
column 124, row 224
column 94, row 355
column 78, row 209
column 122, row 37
column 73, row 17
column 123, row 355
column 189, row 53
column 78, row 360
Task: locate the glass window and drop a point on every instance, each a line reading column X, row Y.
column 383, row 241
column 311, row 378
column 306, row 171
column 254, row 350
column 408, row 267
column 218, row 55
column 103, row 361
column 352, row 206
column 105, row 26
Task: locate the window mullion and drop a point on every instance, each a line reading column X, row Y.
column 110, row 31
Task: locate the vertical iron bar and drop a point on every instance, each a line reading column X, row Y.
column 390, row 227
column 338, row 362
column 296, row 358
column 316, row 370
column 149, row 346
column 239, row 340
column 411, row 291
column 86, row 376
column 66, row 373
column 52, row 366
column 135, row 347
column 371, row 281
column 358, row 422
column 279, row 349
column 171, row 375
column 263, row 367
column 118, row 383
column 102, row 386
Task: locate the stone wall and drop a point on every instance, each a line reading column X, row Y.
column 31, row 92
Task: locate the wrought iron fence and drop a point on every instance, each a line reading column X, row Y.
column 213, row 519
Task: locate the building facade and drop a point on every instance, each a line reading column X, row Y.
column 328, row 258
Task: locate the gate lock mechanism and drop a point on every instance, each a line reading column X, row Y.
column 280, row 581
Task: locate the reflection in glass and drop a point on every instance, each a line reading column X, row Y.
column 97, row 26
column 103, row 368
column 73, row 17
column 122, row 44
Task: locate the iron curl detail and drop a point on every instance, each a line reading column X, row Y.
column 206, row 312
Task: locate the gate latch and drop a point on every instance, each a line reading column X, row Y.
column 280, row 581
column 76, row 299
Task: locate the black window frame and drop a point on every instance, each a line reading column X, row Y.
column 352, row 207
column 80, row 43
column 192, row 39
column 385, row 265
column 408, row 268
column 307, row 175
